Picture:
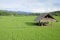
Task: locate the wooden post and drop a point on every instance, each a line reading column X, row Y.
column 39, row 23
column 51, row 24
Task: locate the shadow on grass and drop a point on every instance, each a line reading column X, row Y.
column 31, row 24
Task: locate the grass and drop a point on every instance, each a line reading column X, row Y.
column 22, row 28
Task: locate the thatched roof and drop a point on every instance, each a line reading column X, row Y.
column 42, row 15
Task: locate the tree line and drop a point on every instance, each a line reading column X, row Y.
column 56, row 13
column 13, row 13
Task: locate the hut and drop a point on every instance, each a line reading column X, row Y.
column 44, row 19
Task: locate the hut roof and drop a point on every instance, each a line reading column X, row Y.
column 42, row 15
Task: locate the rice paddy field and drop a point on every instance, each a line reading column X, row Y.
column 23, row 28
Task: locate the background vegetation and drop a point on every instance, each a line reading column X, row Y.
column 20, row 13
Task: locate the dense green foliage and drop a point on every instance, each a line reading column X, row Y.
column 19, row 13
column 7, row 13
column 56, row 13
column 23, row 28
